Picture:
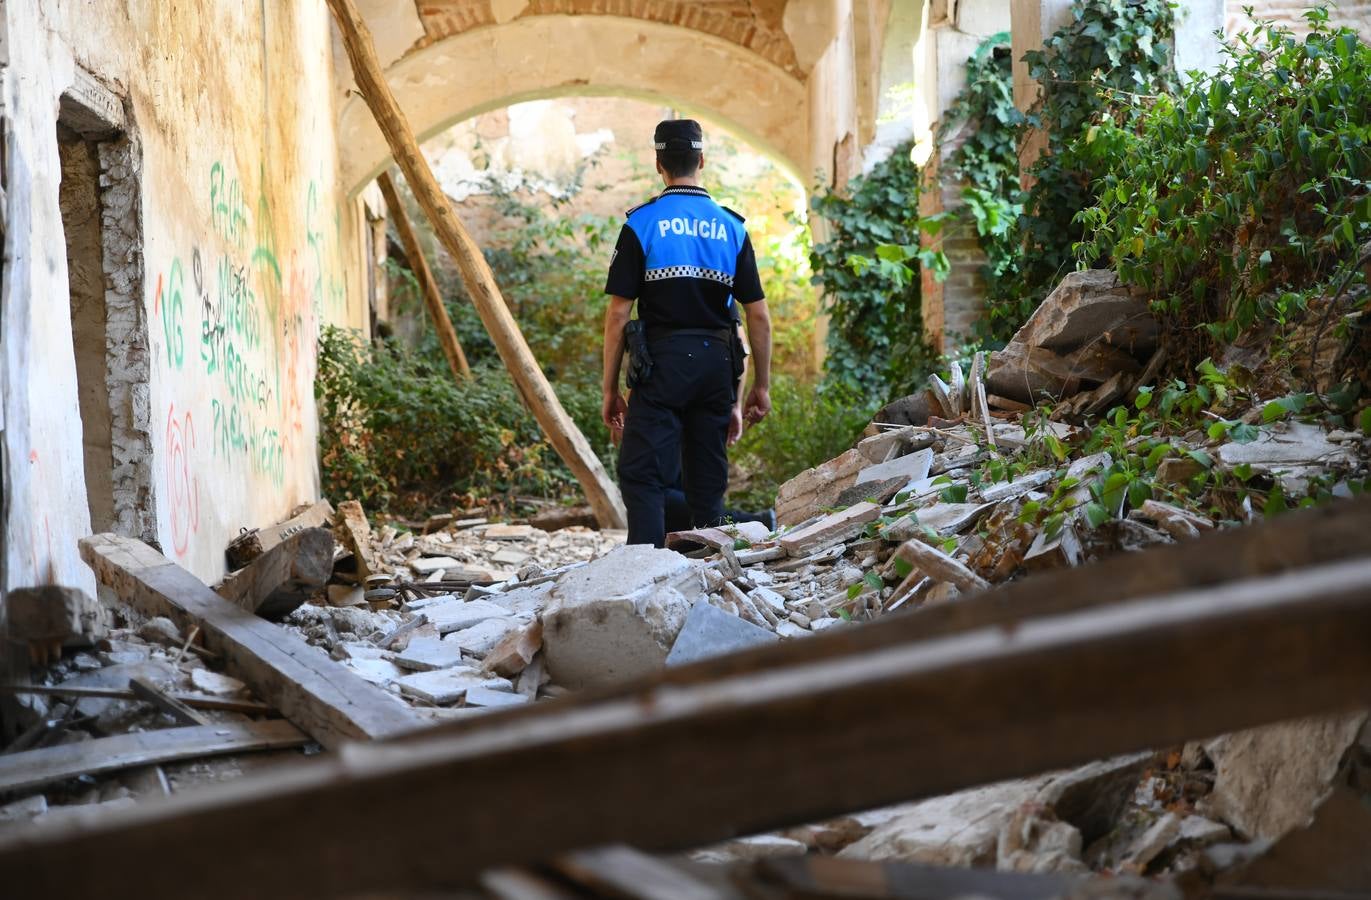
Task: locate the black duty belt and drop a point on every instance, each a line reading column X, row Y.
column 660, row 334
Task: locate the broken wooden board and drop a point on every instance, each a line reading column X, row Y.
column 252, row 544
column 942, row 393
column 147, row 691
column 323, row 698
column 33, row 769
column 194, row 701
column 981, row 694
column 275, row 584
column 831, row 529
column 356, row 531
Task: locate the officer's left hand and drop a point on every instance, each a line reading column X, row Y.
column 735, row 425
column 612, row 412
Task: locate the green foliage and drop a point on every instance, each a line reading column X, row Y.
column 398, row 433
column 869, row 272
column 1250, row 184
column 807, row 426
column 1164, row 422
column 987, row 164
column 1093, row 71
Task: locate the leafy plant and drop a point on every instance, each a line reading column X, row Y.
column 398, row 433
column 1097, row 69
column 868, row 270
column 1251, row 183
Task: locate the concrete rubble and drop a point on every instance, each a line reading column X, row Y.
column 947, row 493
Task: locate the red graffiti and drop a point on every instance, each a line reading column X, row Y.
column 183, row 488
column 157, row 298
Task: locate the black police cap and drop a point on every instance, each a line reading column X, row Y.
column 678, row 134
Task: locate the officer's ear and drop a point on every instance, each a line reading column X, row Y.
column 702, row 162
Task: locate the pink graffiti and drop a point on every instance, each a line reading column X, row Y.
column 183, row 488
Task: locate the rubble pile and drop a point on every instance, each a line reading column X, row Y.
column 948, row 492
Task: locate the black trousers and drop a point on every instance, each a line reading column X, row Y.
column 677, row 426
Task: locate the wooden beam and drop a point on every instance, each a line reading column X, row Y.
column 533, row 385
column 276, row 583
column 326, row 700
column 428, row 285
column 148, row 692
column 33, row 769
column 194, row 701
column 670, row 766
column 250, row 545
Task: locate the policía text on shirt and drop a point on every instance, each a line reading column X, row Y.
column 711, row 229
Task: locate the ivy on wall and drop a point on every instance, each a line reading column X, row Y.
column 1098, row 69
column 868, row 270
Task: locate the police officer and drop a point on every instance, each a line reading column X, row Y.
column 686, row 261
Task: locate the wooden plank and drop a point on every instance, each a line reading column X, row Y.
column 357, row 536
column 860, row 879
column 323, row 698
column 146, row 690
column 194, row 701
column 428, row 285
column 504, row 331
column 33, row 769
column 624, row 872
column 982, row 698
column 252, row 544
column 274, row 584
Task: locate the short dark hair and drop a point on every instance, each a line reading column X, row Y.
column 679, row 163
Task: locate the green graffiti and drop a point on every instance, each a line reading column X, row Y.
column 228, row 211
column 171, row 307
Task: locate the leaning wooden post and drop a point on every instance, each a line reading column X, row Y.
column 428, row 285
column 533, row 385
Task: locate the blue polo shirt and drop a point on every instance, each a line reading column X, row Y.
column 685, row 259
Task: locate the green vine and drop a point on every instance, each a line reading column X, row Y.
column 868, row 269
column 1095, row 70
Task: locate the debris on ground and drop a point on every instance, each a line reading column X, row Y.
column 955, row 489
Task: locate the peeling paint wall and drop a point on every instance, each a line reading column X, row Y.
column 230, row 244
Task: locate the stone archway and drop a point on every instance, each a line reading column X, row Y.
column 550, row 56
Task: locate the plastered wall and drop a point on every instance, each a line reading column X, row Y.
column 236, row 249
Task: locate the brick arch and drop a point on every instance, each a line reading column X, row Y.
column 550, row 56
column 754, row 25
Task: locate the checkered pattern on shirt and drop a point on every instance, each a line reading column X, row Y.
column 688, row 272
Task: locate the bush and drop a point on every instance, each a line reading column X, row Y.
column 807, row 426
column 399, row 434
column 1249, row 185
